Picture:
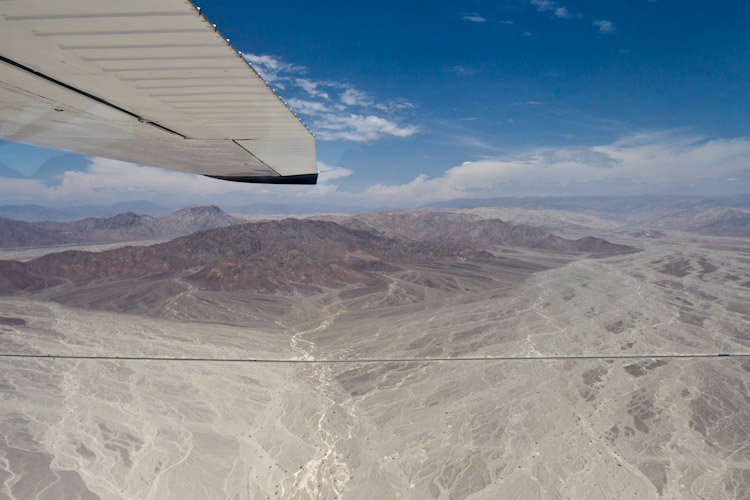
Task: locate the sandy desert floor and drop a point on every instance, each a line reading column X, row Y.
column 26, row 254
column 480, row 429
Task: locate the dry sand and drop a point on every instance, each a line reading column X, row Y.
column 555, row 429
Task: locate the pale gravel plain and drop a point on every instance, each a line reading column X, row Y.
column 27, row 254
column 584, row 429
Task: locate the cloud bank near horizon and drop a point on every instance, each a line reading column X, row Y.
column 662, row 162
column 642, row 163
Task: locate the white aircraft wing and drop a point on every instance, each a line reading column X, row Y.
column 145, row 81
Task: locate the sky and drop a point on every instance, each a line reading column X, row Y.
column 414, row 103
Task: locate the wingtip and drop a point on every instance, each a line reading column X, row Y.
column 303, row 179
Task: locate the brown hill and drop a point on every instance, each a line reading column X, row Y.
column 191, row 219
column 122, row 227
column 260, row 256
column 15, row 234
column 724, row 222
column 16, row 276
column 738, row 227
column 476, row 231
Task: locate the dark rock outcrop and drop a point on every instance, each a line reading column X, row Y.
column 256, row 256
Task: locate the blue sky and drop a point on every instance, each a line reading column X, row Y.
column 420, row 102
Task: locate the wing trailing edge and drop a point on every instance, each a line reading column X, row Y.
column 144, row 81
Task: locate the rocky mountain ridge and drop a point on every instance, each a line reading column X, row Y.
column 279, row 254
column 256, row 256
column 127, row 226
column 474, row 230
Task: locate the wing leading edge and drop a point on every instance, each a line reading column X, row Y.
column 144, row 81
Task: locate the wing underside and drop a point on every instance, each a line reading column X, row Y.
column 144, row 81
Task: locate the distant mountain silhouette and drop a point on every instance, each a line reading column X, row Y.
column 10, row 173
column 730, row 223
column 52, row 170
column 35, row 213
column 127, row 226
column 603, row 204
column 725, row 215
column 293, row 209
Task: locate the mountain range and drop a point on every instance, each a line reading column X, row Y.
column 256, row 256
column 280, row 254
column 473, row 230
column 710, row 215
column 37, row 213
column 11, row 173
column 619, row 205
column 127, row 226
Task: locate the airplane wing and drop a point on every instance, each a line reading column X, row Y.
column 145, row 81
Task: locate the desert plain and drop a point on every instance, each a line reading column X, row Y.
column 366, row 392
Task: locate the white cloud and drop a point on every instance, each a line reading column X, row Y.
column 543, row 5
column 335, row 110
column 106, row 175
column 670, row 161
column 360, row 128
column 311, row 87
column 476, row 18
column 108, row 181
column 555, row 8
column 272, row 68
column 353, row 97
column 605, row 27
column 303, row 106
column 111, row 181
column 658, row 162
column 462, row 70
column 395, row 105
column 328, row 173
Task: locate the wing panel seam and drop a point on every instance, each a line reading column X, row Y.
column 253, row 155
column 90, row 96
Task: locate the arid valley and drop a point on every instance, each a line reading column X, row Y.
column 408, row 355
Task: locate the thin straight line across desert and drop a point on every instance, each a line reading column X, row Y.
column 362, row 361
